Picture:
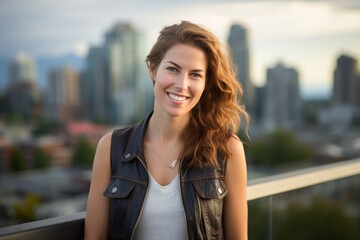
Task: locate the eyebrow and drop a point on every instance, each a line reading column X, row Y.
column 178, row 66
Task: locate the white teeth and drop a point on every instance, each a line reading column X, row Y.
column 176, row 97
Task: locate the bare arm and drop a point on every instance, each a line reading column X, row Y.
column 96, row 221
column 235, row 203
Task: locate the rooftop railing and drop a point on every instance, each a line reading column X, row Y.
column 71, row 227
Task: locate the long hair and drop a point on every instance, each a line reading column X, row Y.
column 220, row 111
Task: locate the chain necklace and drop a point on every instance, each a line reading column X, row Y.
column 171, row 164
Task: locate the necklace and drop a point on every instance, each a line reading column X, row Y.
column 172, row 164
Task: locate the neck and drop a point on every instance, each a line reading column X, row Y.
column 165, row 129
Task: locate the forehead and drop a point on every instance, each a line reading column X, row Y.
column 187, row 55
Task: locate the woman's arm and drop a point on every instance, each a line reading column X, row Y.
column 96, row 221
column 235, row 203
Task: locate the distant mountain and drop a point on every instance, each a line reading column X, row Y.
column 45, row 64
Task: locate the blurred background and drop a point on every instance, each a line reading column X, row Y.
column 71, row 71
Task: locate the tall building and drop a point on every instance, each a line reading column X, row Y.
column 22, row 94
column 24, row 99
column 22, row 69
column 345, row 107
column 116, row 87
column 238, row 43
column 282, row 98
column 346, row 86
column 63, row 94
column 93, row 85
column 121, row 73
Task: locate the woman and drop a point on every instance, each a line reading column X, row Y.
column 181, row 172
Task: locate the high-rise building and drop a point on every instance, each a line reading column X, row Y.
column 22, row 94
column 282, row 98
column 24, row 99
column 93, row 85
column 346, row 87
column 238, row 43
column 345, row 107
column 22, row 69
column 116, row 87
column 121, row 73
column 63, row 94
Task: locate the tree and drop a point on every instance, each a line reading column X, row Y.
column 17, row 160
column 84, row 153
column 46, row 127
column 320, row 219
column 42, row 160
column 25, row 211
column 258, row 219
column 323, row 219
column 277, row 148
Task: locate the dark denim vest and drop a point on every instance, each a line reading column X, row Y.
column 202, row 189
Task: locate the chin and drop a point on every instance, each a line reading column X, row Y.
column 177, row 113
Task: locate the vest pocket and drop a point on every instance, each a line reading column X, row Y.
column 121, row 194
column 210, row 188
column 119, row 188
column 211, row 193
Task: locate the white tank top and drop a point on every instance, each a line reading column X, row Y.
column 163, row 216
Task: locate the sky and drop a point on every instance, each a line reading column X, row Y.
column 303, row 34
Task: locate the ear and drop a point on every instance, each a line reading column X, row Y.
column 152, row 73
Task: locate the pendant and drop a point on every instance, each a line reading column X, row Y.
column 173, row 164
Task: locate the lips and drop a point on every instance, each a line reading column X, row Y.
column 177, row 97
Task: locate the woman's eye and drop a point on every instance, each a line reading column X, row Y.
column 172, row 69
column 196, row 75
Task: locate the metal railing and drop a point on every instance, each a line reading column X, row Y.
column 289, row 181
column 71, row 227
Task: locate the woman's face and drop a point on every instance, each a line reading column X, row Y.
column 179, row 79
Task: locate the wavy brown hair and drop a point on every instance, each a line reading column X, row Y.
column 220, row 110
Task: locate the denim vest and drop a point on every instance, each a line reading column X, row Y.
column 202, row 189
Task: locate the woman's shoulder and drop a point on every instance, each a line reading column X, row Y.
column 105, row 140
column 236, row 148
column 235, row 141
column 119, row 136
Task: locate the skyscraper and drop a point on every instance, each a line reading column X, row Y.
column 22, row 94
column 346, row 87
column 63, row 94
column 282, row 98
column 121, row 56
column 22, row 68
column 345, row 106
column 238, row 43
column 116, row 87
column 94, row 85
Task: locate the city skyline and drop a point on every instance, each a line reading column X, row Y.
column 278, row 30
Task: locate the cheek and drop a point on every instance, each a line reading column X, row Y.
column 160, row 78
column 200, row 89
column 159, row 85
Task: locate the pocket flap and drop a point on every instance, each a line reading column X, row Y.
column 211, row 188
column 119, row 188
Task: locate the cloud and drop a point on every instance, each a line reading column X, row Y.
column 42, row 26
column 305, row 33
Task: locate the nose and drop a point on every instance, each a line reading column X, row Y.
column 182, row 82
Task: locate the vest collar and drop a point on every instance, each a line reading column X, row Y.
column 135, row 146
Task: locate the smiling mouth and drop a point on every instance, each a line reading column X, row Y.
column 177, row 97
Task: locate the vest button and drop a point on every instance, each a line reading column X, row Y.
column 127, row 155
column 114, row 190
column 220, row 191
